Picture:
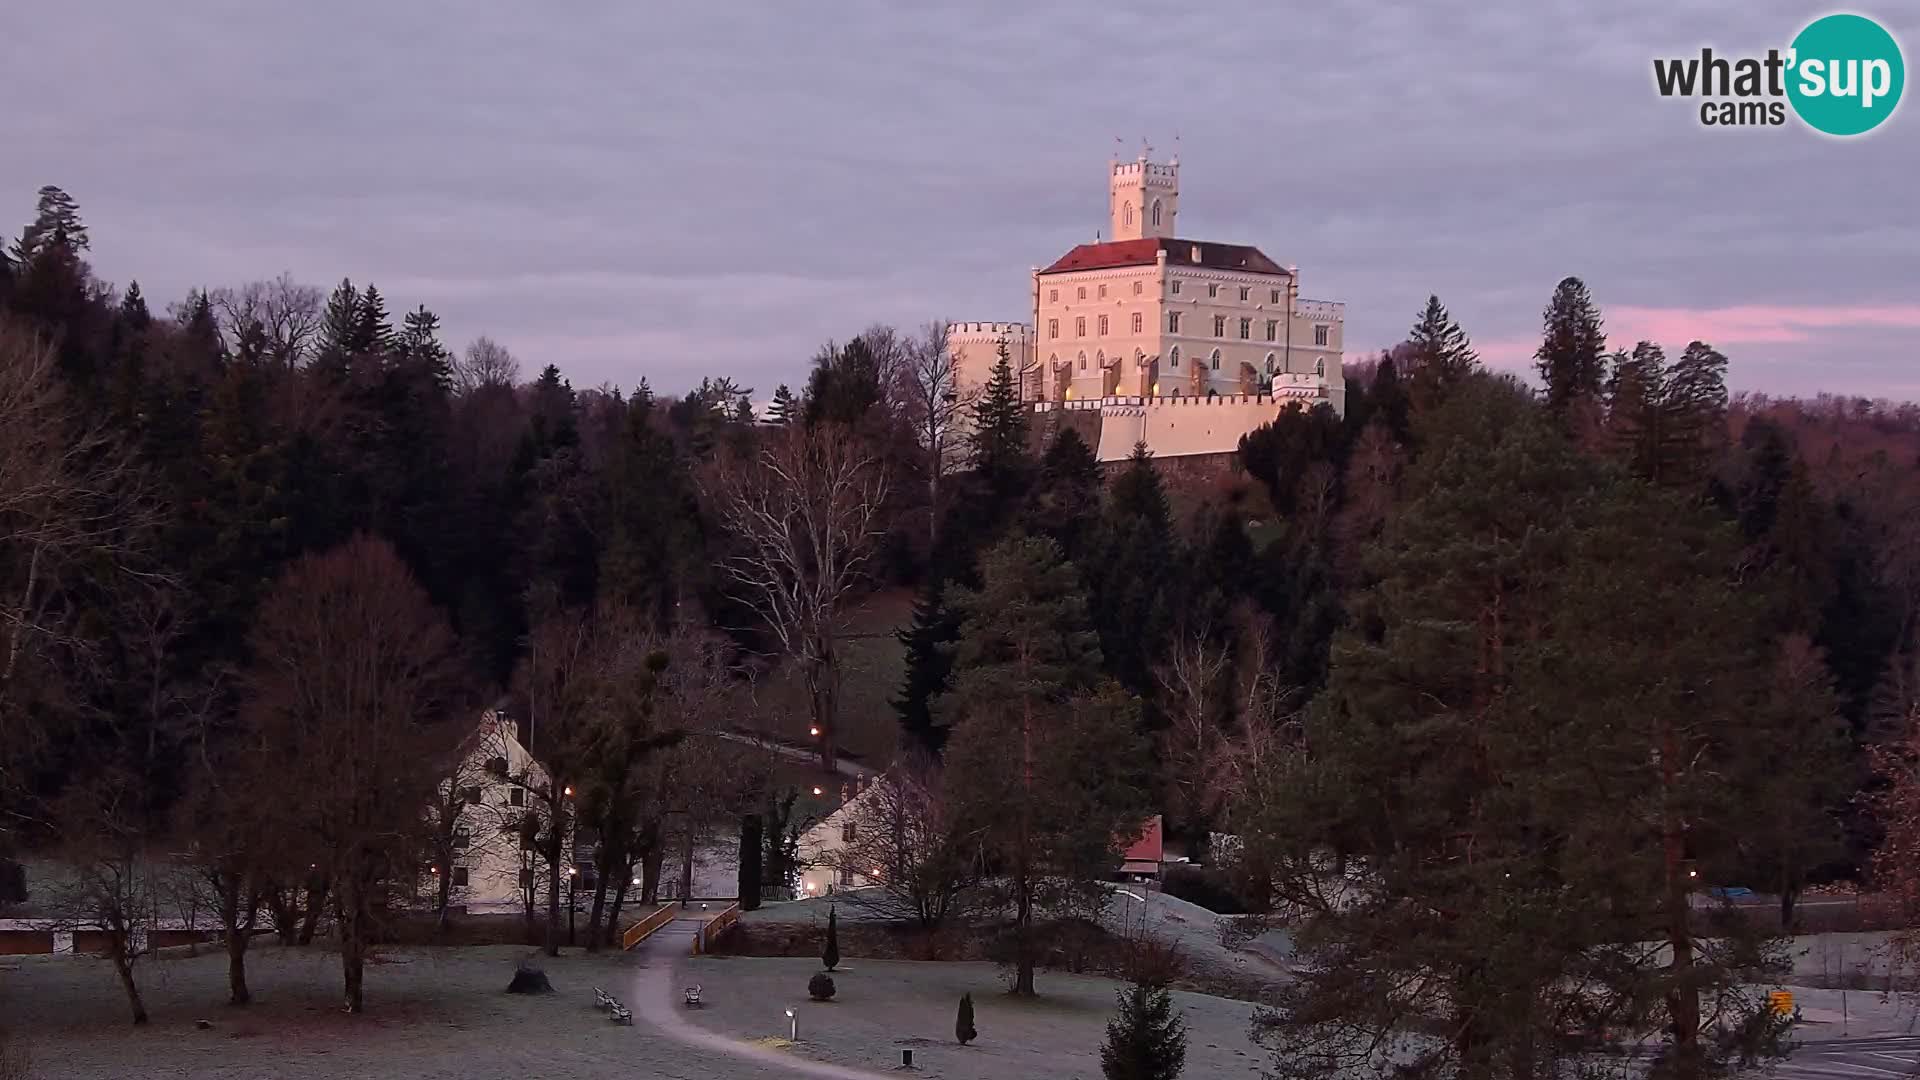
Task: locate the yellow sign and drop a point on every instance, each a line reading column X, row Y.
column 1782, row 1001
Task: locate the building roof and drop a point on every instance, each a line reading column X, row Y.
column 1149, row 845
column 1179, row 253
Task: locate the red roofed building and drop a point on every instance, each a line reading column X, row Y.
column 1144, row 319
column 1144, row 858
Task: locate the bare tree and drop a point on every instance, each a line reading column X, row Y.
column 461, row 824
column 112, row 888
column 285, row 313
column 902, row 833
column 934, row 403
column 1196, row 683
column 560, row 677
column 803, row 511
column 485, row 363
column 355, row 679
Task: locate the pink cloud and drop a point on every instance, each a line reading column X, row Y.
column 1750, row 324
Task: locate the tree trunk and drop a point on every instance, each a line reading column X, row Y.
column 310, row 919
column 237, row 992
column 686, row 866
column 594, row 932
column 822, row 698
column 353, row 946
column 650, row 864
column 123, row 965
column 1683, row 1000
column 1023, row 933
column 553, row 896
column 619, row 901
column 443, row 897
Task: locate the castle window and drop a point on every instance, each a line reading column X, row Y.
column 1103, row 326
column 1213, row 290
column 1053, row 296
column 1083, row 292
column 1173, row 322
column 1219, row 326
column 1216, row 359
column 1246, row 329
column 1080, row 326
column 1053, row 328
column 1136, row 288
column 1276, row 296
column 1273, row 366
column 1320, row 332
column 1083, row 361
column 1156, row 211
column 1273, row 329
column 1137, row 320
column 1246, row 292
column 1174, row 356
column 1126, row 213
column 1320, row 366
column 1103, row 292
column 1176, row 286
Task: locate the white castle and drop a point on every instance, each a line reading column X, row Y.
column 1185, row 345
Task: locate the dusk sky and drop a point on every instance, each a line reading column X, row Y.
column 672, row 190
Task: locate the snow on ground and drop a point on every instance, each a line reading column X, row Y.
column 883, row 1005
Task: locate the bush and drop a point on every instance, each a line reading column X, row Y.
column 1211, row 889
column 963, row 1024
column 820, row 987
column 831, row 956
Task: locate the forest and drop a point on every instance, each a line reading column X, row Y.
column 1487, row 679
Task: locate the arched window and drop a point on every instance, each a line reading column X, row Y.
column 1053, row 360
column 1126, row 213
column 1174, row 356
column 1216, row 359
column 1273, row 366
column 1083, row 360
column 1100, row 358
column 1320, row 366
column 1156, row 211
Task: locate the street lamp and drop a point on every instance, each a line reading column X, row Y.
column 572, row 877
column 793, row 1027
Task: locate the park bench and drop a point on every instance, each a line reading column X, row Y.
column 693, row 996
column 620, row 1014
column 603, row 1000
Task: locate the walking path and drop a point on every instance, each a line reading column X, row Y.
column 656, row 996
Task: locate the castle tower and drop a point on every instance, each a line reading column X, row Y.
column 1143, row 199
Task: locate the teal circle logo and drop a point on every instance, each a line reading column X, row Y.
column 1845, row 75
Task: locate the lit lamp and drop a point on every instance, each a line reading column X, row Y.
column 814, row 731
column 816, row 791
column 793, row 1027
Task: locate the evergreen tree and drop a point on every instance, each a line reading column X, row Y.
column 56, row 226
column 652, row 552
column 928, row 641
column 844, row 386
column 1045, row 760
column 784, row 409
column 1065, row 502
column 373, row 330
column 1389, row 401
column 1146, row 1039
column 1000, row 433
column 830, row 956
column 1133, row 574
column 963, row 1029
column 751, row 842
column 419, row 345
column 1440, row 354
column 133, row 308
column 1571, row 359
column 339, row 327
column 1667, row 422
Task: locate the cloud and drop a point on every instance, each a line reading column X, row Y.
column 1753, row 324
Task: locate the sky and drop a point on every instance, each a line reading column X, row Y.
column 678, row 190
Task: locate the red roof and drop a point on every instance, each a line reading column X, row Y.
column 1179, row 253
column 1150, row 846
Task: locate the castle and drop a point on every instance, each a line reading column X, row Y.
column 1185, row 345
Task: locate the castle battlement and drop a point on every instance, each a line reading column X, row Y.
column 1328, row 310
column 1153, row 175
column 989, row 331
column 1133, row 404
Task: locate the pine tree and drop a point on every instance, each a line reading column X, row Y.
column 1146, row 1039
column 1000, row 433
column 928, row 641
column 1065, row 502
column 56, row 226
column 830, row 956
column 751, row 843
column 1440, row 355
column 963, row 1029
column 339, row 324
column 651, row 555
column 1132, row 574
column 133, row 308
column 1388, row 398
column 784, row 408
column 1667, row 422
column 1571, row 357
column 372, row 330
column 419, row 345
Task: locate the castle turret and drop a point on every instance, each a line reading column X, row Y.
column 1143, row 199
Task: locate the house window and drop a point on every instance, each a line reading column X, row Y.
column 517, row 796
column 1103, row 326
column 1276, row 296
column 472, row 795
column 1246, row 329
column 1213, row 290
column 1246, row 292
column 1138, row 321
column 526, row 880
column 1219, row 326
column 849, row 831
column 1103, row 292
column 1136, row 288
column 497, row 766
column 1083, row 361
column 1083, row 292
column 459, row 877
column 1053, row 328
column 1216, row 359
column 1320, row 333
column 461, row 838
column 846, row 877
column 1173, row 322
column 1080, row 326
column 1053, row 296
column 1174, row 356
column 1176, row 286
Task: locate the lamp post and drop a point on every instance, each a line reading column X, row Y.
column 793, row 1027
column 573, row 875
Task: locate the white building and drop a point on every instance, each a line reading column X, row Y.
column 824, row 869
column 494, row 784
column 1147, row 321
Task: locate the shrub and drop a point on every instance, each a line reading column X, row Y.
column 963, row 1024
column 1211, row 889
column 831, row 957
column 820, row 987
column 1146, row 1040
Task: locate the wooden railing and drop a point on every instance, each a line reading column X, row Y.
column 711, row 930
column 638, row 932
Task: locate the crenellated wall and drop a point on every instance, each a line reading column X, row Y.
column 1177, row 427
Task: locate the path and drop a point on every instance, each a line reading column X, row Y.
column 655, row 995
column 1857, row 1059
